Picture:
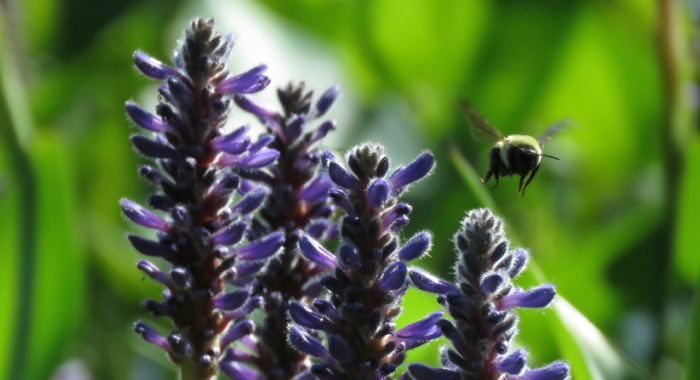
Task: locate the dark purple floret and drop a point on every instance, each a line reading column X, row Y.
column 201, row 234
column 481, row 305
column 369, row 279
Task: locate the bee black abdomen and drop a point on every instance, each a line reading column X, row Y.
column 520, row 161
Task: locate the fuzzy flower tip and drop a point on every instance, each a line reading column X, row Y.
column 200, row 229
column 482, row 304
column 369, row 273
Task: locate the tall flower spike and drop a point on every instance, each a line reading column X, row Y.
column 481, row 305
column 369, row 277
column 299, row 204
column 198, row 183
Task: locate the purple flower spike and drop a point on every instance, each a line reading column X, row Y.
column 144, row 119
column 340, row 349
column 245, row 83
column 492, row 282
column 343, row 178
column 378, row 193
column 234, row 147
column 423, row 329
column 232, row 234
column 152, row 336
column 153, row 149
column 425, row 281
column 316, row 190
column 514, row 363
column 232, row 300
column 537, row 297
column 142, row 216
column 237, row 332
column 151, row 248
column 316, row 253
column 252, row 200
column 413, row 172
column 254, row 106
column 424, row 372
column 250, row 306
column 520, row 258
column 394, row 276
column 416, row 247
column 323, row 130
column 326, row 100
column 261, row 249
column 310, row 319
column 155, row 273
column 304, row 342
column 152, row 67
column 240, row 372
column 554, row 371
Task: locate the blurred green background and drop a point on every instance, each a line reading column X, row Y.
column 615, row 224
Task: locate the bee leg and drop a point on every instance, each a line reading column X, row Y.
column 488, row 176
column 520, row 186
column 495, row 175
column 532, row 175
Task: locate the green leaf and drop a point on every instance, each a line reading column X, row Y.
column 686, row 260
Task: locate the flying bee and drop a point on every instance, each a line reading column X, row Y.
column 514, row 154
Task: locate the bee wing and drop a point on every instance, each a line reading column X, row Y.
column 555, row 128
column 481, row 129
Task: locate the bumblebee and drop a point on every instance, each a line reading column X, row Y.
column 514, row 154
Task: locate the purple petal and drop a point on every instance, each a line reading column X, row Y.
column 234, row 147
column 142, row 216
column 232, row 300
column 151, row 248
column 235, row 135
column 520, row 258
column 424, row 372
column 378, row 193
column 153, row 149
column 304, row 342
column 327, row 157
column 152, row 67
column 317, row 228
column 255, row 107
column 425, row 281
column 385, row 370
column 327, row 309
column 316, row 253
column 237, row 332
column 231, row 234
column 248, row 268
column 250, row 161
column 416, row 247
column 342, row 177
column 554, row 371
column 349, row 257
column 399, row 224
column 390, row 217
column 144, row 119
column 252, row 200
column 341, row 200
column 450, row 332
column 537, row 297
column 247, row 308
column 155, row 273
column 326, row 100
column 243, row 83
column 261, row 249
column 394, row 277
column 262, row 142
column 310, row 319
column 239, row 372
column 322, row 130
column 317, row 190
column 152, row 336
column 238, row 355
column 413, row 172
column 514, row 363
column 421, row 329
column 295, row 128
column 492, row 282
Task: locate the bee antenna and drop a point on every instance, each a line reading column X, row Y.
column 546, row 155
